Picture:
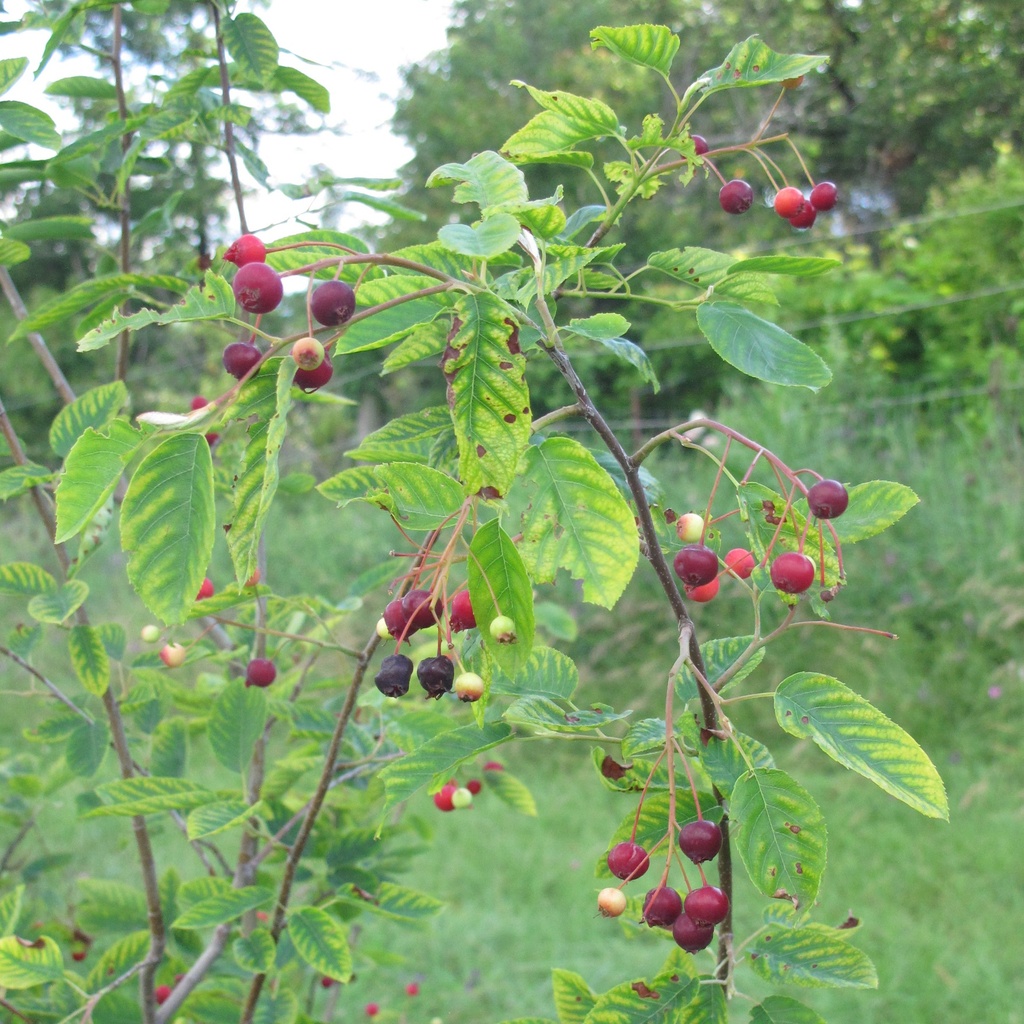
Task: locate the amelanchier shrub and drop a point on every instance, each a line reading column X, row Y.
column 261, row 867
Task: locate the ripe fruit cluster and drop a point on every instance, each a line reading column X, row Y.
column 691, row 918
column 453, row 797
column 737, row 196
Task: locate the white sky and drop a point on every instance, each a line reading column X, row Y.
column 361, row 47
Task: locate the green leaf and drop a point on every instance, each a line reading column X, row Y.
column 256, row 479
column 779, row 833
column 574, row 998
column 752, row 63
column 306, row 88
column 545, row 715
column 168, row 524
column 89, row 659
column 28, row 123
column 487, row 180
column 92, row 471
column 874, row 507
column 759, row 348
column 546, row 673
column 406, row 438
column 274, row 1007
column 487, row 393
column 644, row 737
column 442, row 755
column 252, row 46
column 26, row 579
column 349, row 485
column 86, row 748
column 236, row 722
column 10, row 910
column 149, row 795
column 783, row 1010
column 489, row 238
column 648, row 46
column 169, row 749
column 794, row 266
column 627, row 351
column 857, row 735
column 52, row 229
column 420, row 498
column 82, row 87
column 600, row 326
column 212, row 819
column 394, row 322
column 13, row 252
column 499, row 585
column 320, row 940
column 223, row 906
column 719, row 656
column 255, row 952
column 56, row 607
column 727, row 760
column 11, row 69
column 664, row 999
column 427, row 341
column 96, row 408
column 21, row 479
column 512, row 791
column 706, row 269
column 25, row 964
column 109, row 906
column 117, row 958
column 813, row 956
column 579, row 521
column 396, row 902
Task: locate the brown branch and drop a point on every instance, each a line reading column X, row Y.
column 229, row 131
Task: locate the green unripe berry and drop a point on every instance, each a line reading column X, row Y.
column 150, row 634
column 503, row 629
column 462, row 798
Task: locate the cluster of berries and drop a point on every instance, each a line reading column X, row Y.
column 692, row 918
column 737, row 196
column 258, row 289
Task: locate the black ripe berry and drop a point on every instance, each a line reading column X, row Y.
column 240, row 357
column 662, row 906
column 628, row 860
column 393, row 678
column 436, row 675
column 332, row 303
column 827, row 499
column 312, row 380
column 691, row 936
column 700, row 840
column 736, row 196
column 695, row 565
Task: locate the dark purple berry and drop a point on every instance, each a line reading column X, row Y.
column 700, row 144
column 695, row 565
column 436, row 675
column 260, row 672
column 628, row 860
column 707, row 905
column 417, row 607
column 736, row 196
column 393, row 678
column 827, row 499
column 395, row 619
column 312, row 380
column 805, row 218
column 258, row 288
column 691, row 936
column 240, row 357
column 824, row 195
column 792, row 572
column 332, row 303
column 700, row 840
column 662, row 906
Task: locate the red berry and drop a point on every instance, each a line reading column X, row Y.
column 247, row 249
column 827, row 499
column 695, row 565
column 736, row 196
column 332, row 303
column 789, row 202
column 396, row 619
column 700, row 840
column 173, row 655
column 628, row 860
column 418, row 609
column 260, row 672
column 371, row 1009
column 824, row 195
column 206, row 590
column 312, row 380
column 700, row 144
column 78, row 955
column 706, row 905
column 240, row 357
column 740, row 562
column 257, row 288
column 443, row 797
column 199, row 403
column 494, row 766
column 691, row 936
column 461, row 616
column 805, row 218
column 161, row 992
column 703, row 594
column 412, row 989
column 662, row 906
column 474, row 786
column 792, row 572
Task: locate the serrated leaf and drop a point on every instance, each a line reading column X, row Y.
column 114, row 639
column 574, row 998
column 783, row 1010
column 427, row 341
column 753, row 63
column 499, row 585
column 727, row 760
column 394, row 322
column 488, row 396
column 256, row 479
column 397, row 902
column 87, row 747
column 779, row 833
column 759, row 348
column 874, row 507
column 658, row 1000
column 150, row 795
column 306, row 88
column 13, row 252
column 487, row 180
column 648, row 46
column 223, row 906
column 169, row 748
column 26, row 579
column 406, row 438
column 96, row 408
column 443, row 754
column 720, row 656
column 792, row 266
column 107, row 905
column 29, row 124
column 705, row 269
column 211, row 819
column 56, row 607
column 545, row 673
column 578, row 521
column 116, row 959
column 252, row 46
column 644, row 737
column 21, row 479
column 512, row 791
column 349, row 485
column 545, row 715
column 420, row 498
column 489, row 238
column 168, row 524
column 280, row 1006
column 320, row 940
column 89, row 659
column 857, row 735
column 25, row 964
column 255, row 952
column 813, row 956
column 10, row 910
column 236, row 723
column 11, row 69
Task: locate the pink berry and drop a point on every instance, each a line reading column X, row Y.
column 396, row 619
column 474, row 786
column 371, row 1009
column 443, row 797
column 199, row 403
column 705, row 593
column 789, row 202
column 461, row 616
column 824, row 195
column 173, row 655
column 740, row 562
column 312, row 380
column 247, row 249
column 161, row 992
column 206, row 590
column 412, row 989
column 805, row 218
column 258, row 288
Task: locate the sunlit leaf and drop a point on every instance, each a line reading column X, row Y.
column 252, row 47
column 753, row 63
column 25, row 963
column 874, row 507
column 649, row 46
